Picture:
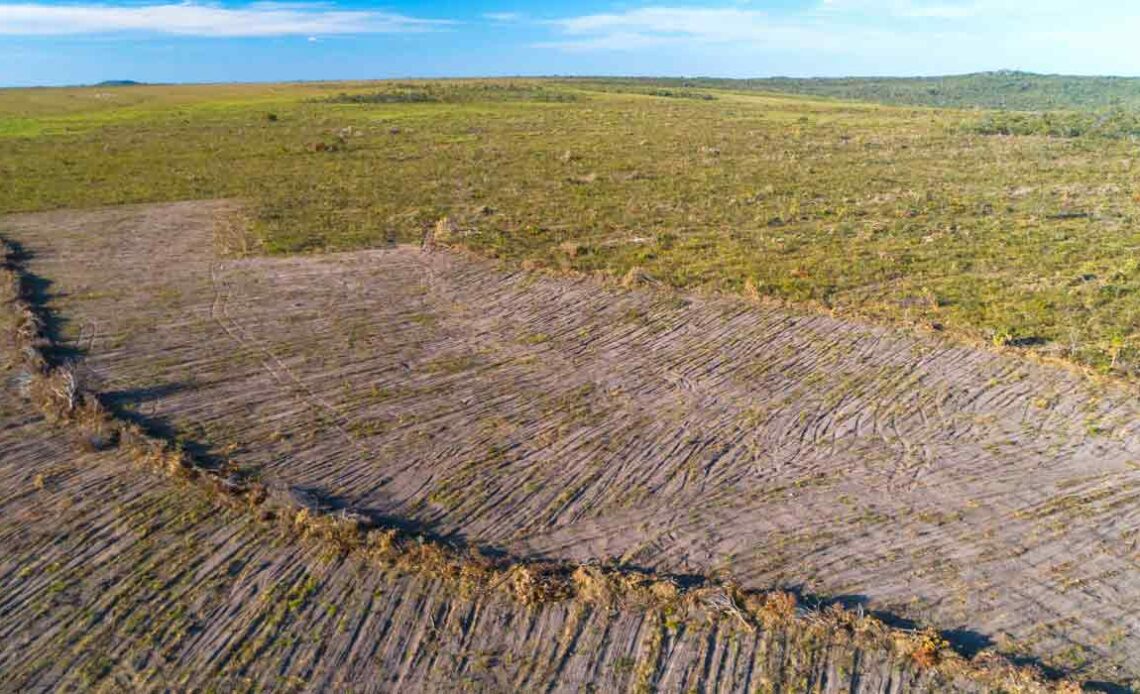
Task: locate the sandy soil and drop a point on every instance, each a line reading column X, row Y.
column 557, row 417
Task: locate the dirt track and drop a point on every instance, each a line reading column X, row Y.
column 557, row 417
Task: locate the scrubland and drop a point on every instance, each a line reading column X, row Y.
column 905, row 215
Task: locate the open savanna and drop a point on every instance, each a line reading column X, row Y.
column 905, row 215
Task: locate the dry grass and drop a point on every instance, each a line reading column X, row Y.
column 232, row 236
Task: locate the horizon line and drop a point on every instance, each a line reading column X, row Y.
column 127, row 82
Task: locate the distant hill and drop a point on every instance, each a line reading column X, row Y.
column 117, row 83
column 1004, row 89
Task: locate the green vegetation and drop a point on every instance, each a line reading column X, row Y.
column 454, row 93
column 667, row 88
column 900, row 215
column 1116, row 124
column 1005, row 89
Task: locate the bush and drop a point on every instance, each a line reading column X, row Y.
column 1116, row 124
column 454, row 92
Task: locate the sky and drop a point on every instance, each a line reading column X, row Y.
column 81, row 41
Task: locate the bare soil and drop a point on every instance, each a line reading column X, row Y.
column 113, row 579
column 559, row 417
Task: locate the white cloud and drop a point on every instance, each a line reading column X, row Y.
column 652, row 26
column 707, row 24
column 193, row 19
column 503, row 17
column 949, row 9
column 886, row 36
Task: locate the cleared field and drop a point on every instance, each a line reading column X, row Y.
column 559, row 417
column 114, row 578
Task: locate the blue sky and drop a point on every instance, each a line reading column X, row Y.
column 175, row 41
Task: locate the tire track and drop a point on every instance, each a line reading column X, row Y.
column 561, row 415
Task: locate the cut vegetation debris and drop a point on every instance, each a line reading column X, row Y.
column 668, row 627
column 558, row 419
